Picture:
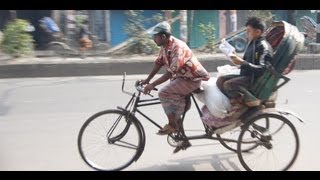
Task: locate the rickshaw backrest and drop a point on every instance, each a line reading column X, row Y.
column 286, row 41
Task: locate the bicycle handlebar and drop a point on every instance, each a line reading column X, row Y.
column 123, row 81
column 138, row 86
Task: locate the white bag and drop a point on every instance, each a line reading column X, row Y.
column 228, row 70
column 200, row 97
column 217, row 103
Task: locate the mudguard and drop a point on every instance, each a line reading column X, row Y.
column 282, row 112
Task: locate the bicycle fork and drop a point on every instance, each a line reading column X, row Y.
column 122, row 134
column 125, row 130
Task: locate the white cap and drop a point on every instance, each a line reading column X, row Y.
column 161, row 27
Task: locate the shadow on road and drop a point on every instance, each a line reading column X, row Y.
column 217, row 162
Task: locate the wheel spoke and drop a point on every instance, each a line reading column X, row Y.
column 114, row 126
column 132, row 146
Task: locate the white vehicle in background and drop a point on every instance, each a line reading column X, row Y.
column 310, row 27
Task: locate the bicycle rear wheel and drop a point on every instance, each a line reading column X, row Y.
column 234, row 135
column 110, row 140
column 278, row 145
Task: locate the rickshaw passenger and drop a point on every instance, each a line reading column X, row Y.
column 252, row 65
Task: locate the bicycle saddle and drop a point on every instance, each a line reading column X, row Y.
column 198, row 91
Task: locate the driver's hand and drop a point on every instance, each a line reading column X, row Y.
column 144, row 81
column 148, row 88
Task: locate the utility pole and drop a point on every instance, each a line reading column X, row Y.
column 292, row 17
column 318, row 26
column 190, row 26
column 233, row 20
column 13, row 14
column 183, row 25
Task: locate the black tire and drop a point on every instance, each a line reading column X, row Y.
column 229, row 135
column 267, row 138
column 58, row 49
column 124, row 127
column 101, row 46
column 240, row 44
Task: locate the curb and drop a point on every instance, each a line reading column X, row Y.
column 59, row 67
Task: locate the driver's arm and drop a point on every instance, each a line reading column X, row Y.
column 162, row 79
column 154, row 71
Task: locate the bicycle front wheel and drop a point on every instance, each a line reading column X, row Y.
column 278, row 143
column 110, row 140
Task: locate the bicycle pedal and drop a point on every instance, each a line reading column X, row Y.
column 183, row 146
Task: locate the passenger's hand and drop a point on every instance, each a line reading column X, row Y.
column 236, row 60
column 148, row 88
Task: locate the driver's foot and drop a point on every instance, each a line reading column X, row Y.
column 167, row 129
column 182, row 146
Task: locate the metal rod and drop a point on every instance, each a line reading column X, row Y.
column 147, row 100
column 195, row 102
column 145, row 116
column 148, row 104
column 205, row 136
column 226, row 139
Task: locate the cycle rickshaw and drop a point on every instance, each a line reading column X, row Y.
column 265, row 137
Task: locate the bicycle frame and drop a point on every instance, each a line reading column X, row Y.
column 136, row 102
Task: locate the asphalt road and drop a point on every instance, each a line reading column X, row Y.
column 40, row 119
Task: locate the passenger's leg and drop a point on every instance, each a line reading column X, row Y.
column 238, row 87
column 232, row 86
column 221, row 80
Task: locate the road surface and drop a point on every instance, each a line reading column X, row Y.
column 40, row 119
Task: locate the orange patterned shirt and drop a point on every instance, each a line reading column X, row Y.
column 180, row 61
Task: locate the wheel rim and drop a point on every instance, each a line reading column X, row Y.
column 277, row 148
column 108, row 154
column 240, row 45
